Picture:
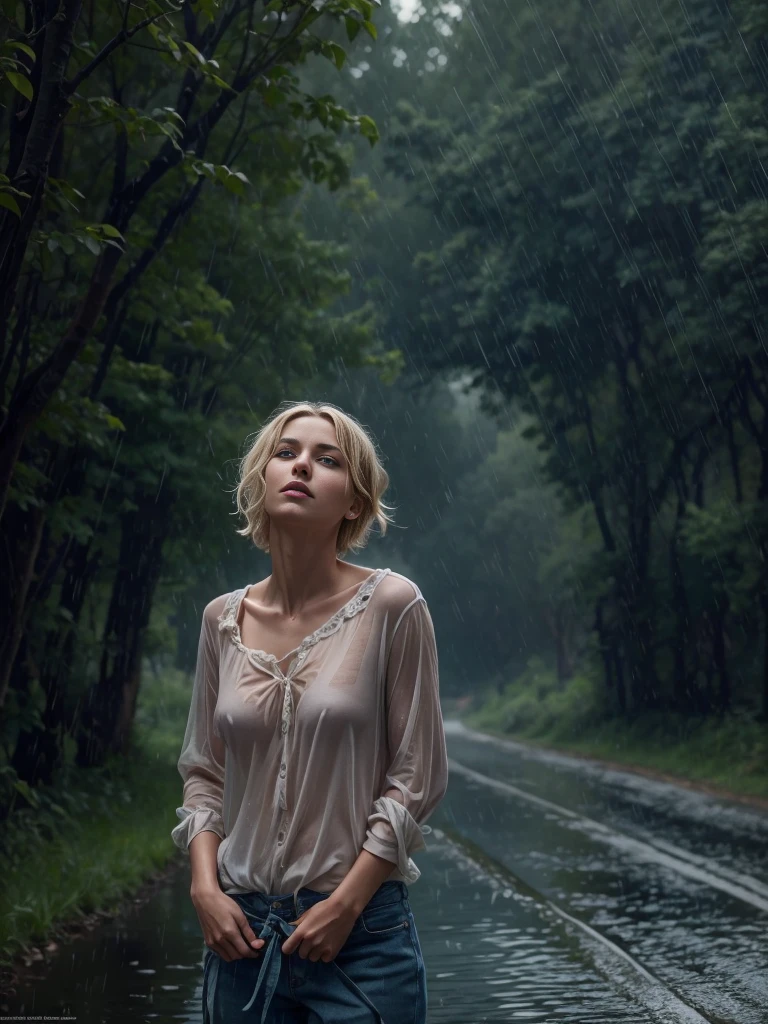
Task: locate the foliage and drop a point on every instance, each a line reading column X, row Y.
column 598, row 266
column 159, row 294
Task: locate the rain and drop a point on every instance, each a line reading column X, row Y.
column 522, row 247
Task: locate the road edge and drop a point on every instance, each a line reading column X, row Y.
column 709, row 788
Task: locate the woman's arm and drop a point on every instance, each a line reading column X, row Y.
column 417, row 776
column 203, row 853
column 201, row 765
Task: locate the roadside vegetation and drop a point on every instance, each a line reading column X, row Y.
column 728, row 754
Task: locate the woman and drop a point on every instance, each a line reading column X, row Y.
column 314, row 749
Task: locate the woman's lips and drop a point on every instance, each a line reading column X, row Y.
column 295, row 494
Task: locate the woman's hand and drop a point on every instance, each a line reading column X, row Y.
column 321, row 931
column 225, row 927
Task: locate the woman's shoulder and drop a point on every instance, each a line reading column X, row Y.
column 397, row 591
column 215, row 610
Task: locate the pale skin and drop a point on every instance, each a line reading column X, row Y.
column 307, row 583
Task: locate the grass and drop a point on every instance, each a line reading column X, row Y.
column 88, row 858
column 99, row 833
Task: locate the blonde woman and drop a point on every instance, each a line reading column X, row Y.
column 314, row 750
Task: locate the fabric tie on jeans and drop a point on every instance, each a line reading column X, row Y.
column 270, row 968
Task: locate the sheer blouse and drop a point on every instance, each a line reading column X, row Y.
column 297, row 771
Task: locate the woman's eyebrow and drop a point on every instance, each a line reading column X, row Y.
column 318, row 444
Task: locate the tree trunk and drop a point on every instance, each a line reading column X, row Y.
column 106, row 719
column 557, row 622
column 50, row 106
column 40, row 384
column 680, row 695
column 764, row 608
column 39, row 752
column 717, row 622
column 621, row 691
column 599, row 628
column 20, row 536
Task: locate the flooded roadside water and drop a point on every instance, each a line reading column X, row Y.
column 548, row 893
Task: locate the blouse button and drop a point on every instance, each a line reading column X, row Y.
column 282, row 769
column 280, row 836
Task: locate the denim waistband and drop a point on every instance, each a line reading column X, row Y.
column 277, row 910
column 260, row 903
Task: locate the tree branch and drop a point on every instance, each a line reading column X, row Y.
column 122, row 36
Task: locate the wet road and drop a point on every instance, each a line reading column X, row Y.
column 552, row 891
column 663, row 890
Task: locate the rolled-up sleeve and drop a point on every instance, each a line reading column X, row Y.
column 417, row 776
column 201, row 764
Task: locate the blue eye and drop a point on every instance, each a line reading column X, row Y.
column 282, row 450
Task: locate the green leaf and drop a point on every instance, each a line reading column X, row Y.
column 22, row 787
column 15, row 44
column 368, row 128
column 335, row 53
column 353, row 27
column 9, row 203
column 21, row 84
column 194, row 51
column 220, row 82
column 65, row 187
column 370, row 28
column 273, row 95
column 234, row 185
column 205, row 7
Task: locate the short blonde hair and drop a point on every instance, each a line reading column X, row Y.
column 369, row 478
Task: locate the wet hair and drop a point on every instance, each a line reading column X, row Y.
column 369, row 478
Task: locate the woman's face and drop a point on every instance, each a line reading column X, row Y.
column 307, row 452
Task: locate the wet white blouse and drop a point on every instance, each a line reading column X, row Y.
column 299, row 771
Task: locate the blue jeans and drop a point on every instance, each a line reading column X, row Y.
column 377, row 977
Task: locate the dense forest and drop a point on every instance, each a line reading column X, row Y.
column 524, row 244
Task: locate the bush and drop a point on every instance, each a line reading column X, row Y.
column 535, row 703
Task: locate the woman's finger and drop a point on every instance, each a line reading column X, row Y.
column 253, row 943
column 292, row 941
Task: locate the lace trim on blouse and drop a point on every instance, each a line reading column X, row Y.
column 229, row 614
